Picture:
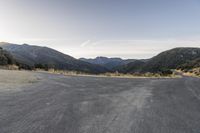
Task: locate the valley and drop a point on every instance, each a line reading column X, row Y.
column 32, row 57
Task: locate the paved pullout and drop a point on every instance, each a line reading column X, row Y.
column 66, row 104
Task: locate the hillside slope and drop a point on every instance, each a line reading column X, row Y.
column 171, row 59
column 163, row 62
column 34, row 55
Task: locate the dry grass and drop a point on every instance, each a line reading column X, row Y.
column 145, row 75
column 113, row 75
column 195, row 72
column 9, row 67
column 13, row 80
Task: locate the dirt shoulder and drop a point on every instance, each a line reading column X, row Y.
column 13, row 80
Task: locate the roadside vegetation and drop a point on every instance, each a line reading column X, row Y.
column 110, row 74
column 195, row 72
column 191, row 68
column 6, row 58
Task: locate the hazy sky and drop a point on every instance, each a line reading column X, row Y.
column 113, row 28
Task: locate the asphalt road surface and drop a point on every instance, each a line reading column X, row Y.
column 48, row 103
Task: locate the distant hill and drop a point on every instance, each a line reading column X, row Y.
column 171, row 59
column 163, row 62
column 109, row 63
column 43, row 56
column 28, row 56
column 6, row 58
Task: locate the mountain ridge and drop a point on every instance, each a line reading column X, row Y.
column 31, row 55
column 164, row 62
column 109, row 63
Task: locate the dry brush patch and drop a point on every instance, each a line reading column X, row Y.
column 194, row 72
column 113, row 75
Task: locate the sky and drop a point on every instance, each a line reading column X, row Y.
column 113, row 28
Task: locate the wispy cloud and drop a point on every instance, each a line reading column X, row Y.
column 85, row 43
column 133, row 48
